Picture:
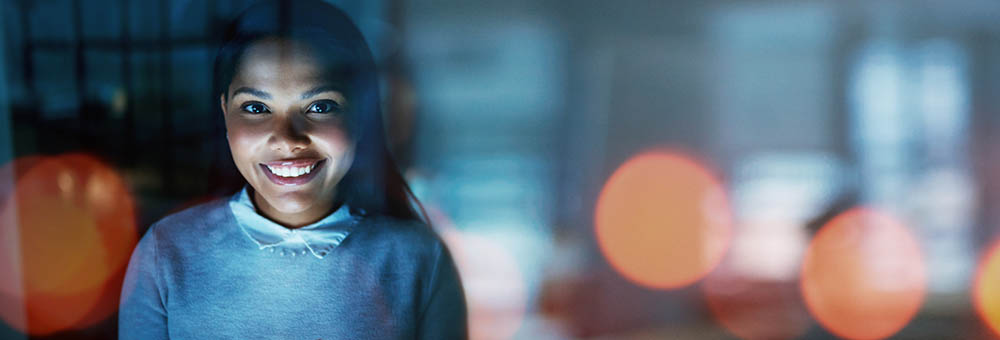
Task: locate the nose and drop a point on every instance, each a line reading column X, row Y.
column 289, row 133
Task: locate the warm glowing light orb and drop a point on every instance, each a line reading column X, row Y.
column 986, row 290
column 863, row 275
column 494, row 284
column 68, row 227
column 662, row 220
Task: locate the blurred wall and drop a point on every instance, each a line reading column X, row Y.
column 509, row 118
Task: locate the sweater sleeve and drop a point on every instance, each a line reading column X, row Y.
column 444, row 314
column 142, row 313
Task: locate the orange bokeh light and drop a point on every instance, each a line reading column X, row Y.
column 986, row 290
column 494, row 285
column 68, row 225
column 662, row 220
column 863, row 275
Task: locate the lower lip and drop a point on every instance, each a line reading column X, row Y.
column 293, row 180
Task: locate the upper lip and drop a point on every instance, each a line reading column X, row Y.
column 298, row 162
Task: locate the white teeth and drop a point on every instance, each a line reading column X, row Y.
column 291, row 171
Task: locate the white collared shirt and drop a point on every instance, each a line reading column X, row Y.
column 318, row 238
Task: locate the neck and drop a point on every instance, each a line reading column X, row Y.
column 297, row 219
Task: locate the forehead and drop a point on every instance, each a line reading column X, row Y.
column 280, row 63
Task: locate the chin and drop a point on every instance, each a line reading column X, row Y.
column 293, row 202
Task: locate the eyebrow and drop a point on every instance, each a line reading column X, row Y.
column 253, row 92
column 318, row 90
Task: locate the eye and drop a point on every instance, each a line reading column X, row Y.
column 324, row 106
column 255, row 108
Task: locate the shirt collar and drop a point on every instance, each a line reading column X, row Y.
column 318, row 238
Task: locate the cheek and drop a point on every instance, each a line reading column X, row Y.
column 244, row 140
column 336, row 140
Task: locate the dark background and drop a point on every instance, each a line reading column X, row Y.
column 508, row 117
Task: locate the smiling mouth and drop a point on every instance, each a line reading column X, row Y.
column 292, row 172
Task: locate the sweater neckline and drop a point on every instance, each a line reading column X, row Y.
column 318, row 238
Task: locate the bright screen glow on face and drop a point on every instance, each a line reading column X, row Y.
column 288, row 130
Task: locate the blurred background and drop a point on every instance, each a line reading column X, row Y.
column 716, row 169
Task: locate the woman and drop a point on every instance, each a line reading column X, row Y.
column 322, row 243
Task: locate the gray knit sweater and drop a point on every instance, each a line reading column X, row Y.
column 205, row 273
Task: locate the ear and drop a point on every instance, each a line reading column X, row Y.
column 222, row 103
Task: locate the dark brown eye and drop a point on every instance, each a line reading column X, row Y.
column 255, row 108
column 324, row 106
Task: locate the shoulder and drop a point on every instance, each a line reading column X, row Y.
column 193, row 222
column 392, row 227
column 413, row 237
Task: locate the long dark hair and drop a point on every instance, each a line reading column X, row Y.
column 373, row 184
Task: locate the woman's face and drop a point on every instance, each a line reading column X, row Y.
column 288, row 130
